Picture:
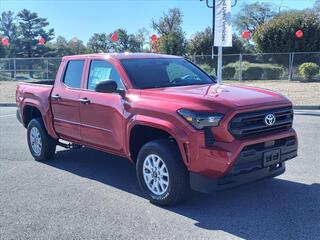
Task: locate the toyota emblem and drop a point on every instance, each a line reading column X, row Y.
column 269, row 119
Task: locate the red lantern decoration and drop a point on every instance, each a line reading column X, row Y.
column 114, row 37
column 5, row 41
column 245, row 35
column 154, row 38
column 299, row 34
column 42, row 41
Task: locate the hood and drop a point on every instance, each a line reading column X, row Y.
column 234, row 96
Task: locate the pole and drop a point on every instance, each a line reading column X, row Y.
column 240, row 67
column 47, row 70
column 289, row 66
column 14, row 68
column 213, row 24
column 219, row 65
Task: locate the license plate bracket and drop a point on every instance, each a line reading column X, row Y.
column 271, row 157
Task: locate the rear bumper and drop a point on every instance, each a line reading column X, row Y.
column 252, row 164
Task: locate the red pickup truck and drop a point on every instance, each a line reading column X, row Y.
column 165, row 115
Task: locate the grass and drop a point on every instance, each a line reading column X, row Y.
column 299, row 93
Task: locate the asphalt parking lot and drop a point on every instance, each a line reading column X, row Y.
column 85, row 194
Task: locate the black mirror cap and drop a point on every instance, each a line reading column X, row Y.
column 107, row 86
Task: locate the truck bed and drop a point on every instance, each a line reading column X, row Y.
column 40, row 82
column 34, row 94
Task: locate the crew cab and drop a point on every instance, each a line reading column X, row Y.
column 167, row 116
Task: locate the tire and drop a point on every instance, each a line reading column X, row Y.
column 177, row 181
column 37, row 133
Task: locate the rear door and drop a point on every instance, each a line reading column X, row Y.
column 101, row 114
column 65, row 101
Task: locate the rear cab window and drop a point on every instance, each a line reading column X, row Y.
column 73, row 73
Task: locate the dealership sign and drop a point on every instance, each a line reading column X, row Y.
column 222, row 27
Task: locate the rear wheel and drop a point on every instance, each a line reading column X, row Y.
column 161, row 173
column 41, row 145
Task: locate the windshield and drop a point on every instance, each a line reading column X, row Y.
column 163, row 72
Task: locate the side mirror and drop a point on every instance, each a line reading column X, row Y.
column 107, row 86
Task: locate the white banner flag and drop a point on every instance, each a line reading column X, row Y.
column 222, row 27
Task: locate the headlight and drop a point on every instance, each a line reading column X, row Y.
column 199, row 120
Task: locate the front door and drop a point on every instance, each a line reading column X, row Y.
column 101, row 114
column 65, row 101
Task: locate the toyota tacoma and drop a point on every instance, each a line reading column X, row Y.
column 167, row 116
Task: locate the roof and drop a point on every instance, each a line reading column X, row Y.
column 120, row 56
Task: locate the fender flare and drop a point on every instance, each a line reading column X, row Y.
column 177, row 133
column 46, row 114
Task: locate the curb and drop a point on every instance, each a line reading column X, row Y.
column 298, row 107
column 5, row 104
column 307, row 107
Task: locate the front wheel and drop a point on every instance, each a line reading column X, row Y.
column 161, row 173
column 41, row 145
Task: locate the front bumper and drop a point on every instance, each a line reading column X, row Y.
column 250, row 165
column 205, row 184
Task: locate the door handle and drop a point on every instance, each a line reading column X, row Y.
column 56, row 97
column 84, row 100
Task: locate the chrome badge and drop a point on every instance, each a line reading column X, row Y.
column 269, row 119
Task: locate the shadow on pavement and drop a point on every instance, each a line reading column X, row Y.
column 271, row 209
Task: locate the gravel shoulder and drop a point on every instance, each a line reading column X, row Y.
column 299, row 93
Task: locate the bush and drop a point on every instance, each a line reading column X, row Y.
column 272, row 72
column 278, row 34
column 252, row 73
column 228, row 72
column 309, row 70
column 208, row 69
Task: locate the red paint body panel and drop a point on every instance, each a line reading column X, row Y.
column 106, row 122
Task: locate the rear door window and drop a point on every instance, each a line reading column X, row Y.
column 73, row 73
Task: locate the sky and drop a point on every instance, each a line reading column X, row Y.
column 83, row 18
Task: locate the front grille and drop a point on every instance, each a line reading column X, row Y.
column 245, row 125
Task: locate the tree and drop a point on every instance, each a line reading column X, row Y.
column 99, row 42
column 170, row 22
column 60, row 47
column 9, row 29
column 143, row 37
column 32, row 27
column 252, row 15
column 201, row 44
column 173, row 43
column 126, row 42
column 278, row 35
column 316, row 6
column 172, row 38
column 3, row 52
column 76, row 46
